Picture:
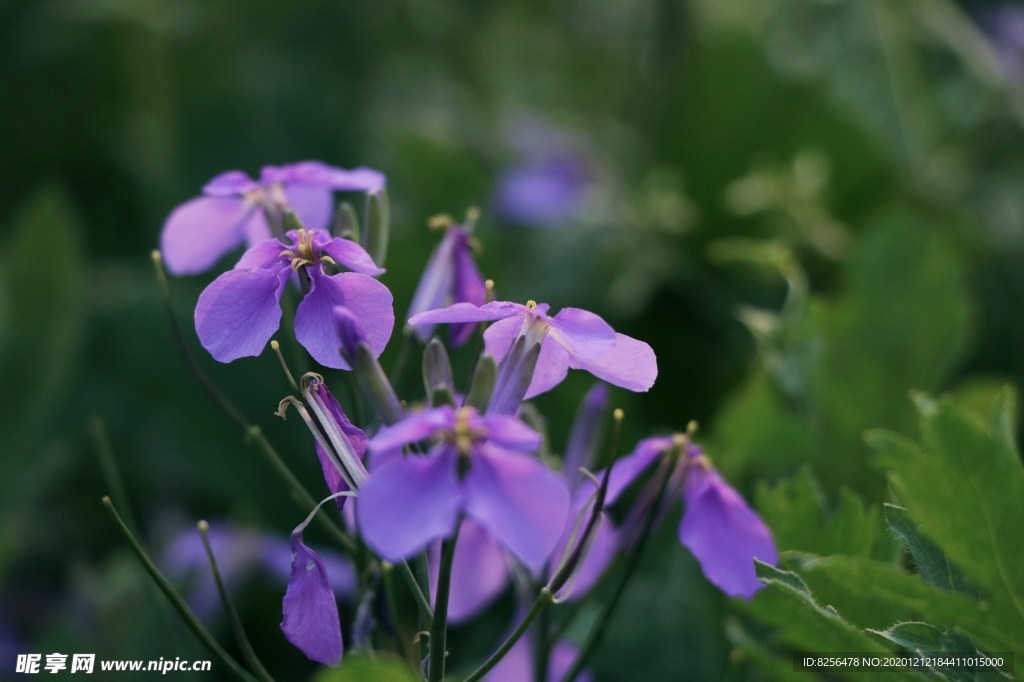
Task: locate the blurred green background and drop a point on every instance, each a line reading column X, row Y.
column 807, row 207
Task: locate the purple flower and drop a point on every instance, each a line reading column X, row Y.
column 341, row 445
column 718, row 527
column 543, row 191
column 450, row 277
column 479, row 572
column 517, row 665
column 478, row 469
column 232, row 210
column 573, row 338
column 238, row 313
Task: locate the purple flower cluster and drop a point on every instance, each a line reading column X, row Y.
column 467, row 473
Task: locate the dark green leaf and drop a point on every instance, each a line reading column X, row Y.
column 929, row 559
column 927, row 640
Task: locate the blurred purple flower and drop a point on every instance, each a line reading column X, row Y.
column 721, row 530
column 240, row 310
column 573, row 338
column 543, row 191
column 233, row 207
column 517, row 666
column 479, row 571
column 477, row 468
column 242, row 554
column 450, row 277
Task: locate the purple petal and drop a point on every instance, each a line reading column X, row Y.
column 724, row 533
column 351, row 332
column 583, row 334
column 468, row 287
column 200, row 231
column 333, row 478
column 311, row 619
column 630, row 364
column 552, row 366
column 355, row 435
column 520, row 501
column 408, row 503
column 629, row 468
column 256, row 228
column 238, row 313
column 436, row 285
column 587, row 427
column 499, row 336
column 517, row 665
column 479, row 572
column 319, row 173
column 467, row 312
column 414, row 428
column 313, row 205
column 352, row 256
column 599, row 556
column 230, row 184
column 262, row 255
column 509, row 432
column 367, row 299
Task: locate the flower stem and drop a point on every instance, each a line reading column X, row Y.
column 231, row 612
column 439, row 624
column 545, row 598
column 197, row 628
column 426, row 615
column 601, row 625
column 417, row 592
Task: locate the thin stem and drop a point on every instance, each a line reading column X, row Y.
column 111, row 472
column 421, row 600
column 231, row 612
column 439, row 624
column 392, row 603
column 197, row 628
column 541, row 650
column 597, row 633
column 545, row 598
column 425, row 616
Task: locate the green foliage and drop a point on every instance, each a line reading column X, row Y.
column 960, row 491
column 359, row 667
column 921, row 637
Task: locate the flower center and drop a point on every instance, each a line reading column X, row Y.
column 305, row 253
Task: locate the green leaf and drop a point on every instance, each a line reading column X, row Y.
column 803, row 622
column 795, row 511
column 963, row 488
column 929, row 559
column 362, row 667
column 875, row 594
column 925, row 639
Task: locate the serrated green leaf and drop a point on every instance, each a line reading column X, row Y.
column 875, row 594
column 805, row 623
column 928, row 640
column 932, row 563
column 963, row 488
column 360, row 668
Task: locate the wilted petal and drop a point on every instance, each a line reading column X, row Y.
column 479, row 572
column 520, row 501
column 335, row 481
column 238, row 313
column 414, row 428
column 408, row 503
column 351, row 255
column 367, row 299
column 200, row 231
column 724, row 533
column 630, row 364
column 584, row 335
column 311, row 619
column 231, row 183
column 313, row 205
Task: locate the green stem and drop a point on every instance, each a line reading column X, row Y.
column 541, row 652
column 425, row 616
column 111, row 472
column 417, row 592
column 545, row 598
column 597, row 634
column 439, row 624
column 231, row 612
column 197, row 628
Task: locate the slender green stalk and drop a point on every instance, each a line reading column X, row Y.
column 231, row 612
column 392, row 603
column 541, row 649
column 197, row 628
column 597, row 633
column 422, row 580
column 417, row 592
column 111, row 472
column 439, row 623
column 544, row 599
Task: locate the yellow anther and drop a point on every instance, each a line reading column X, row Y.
column 531, row 304
column 618, row 414
column 691, row 428
column 440, row 221
column 679, row 440
column 306, row 254
column 472, row 214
